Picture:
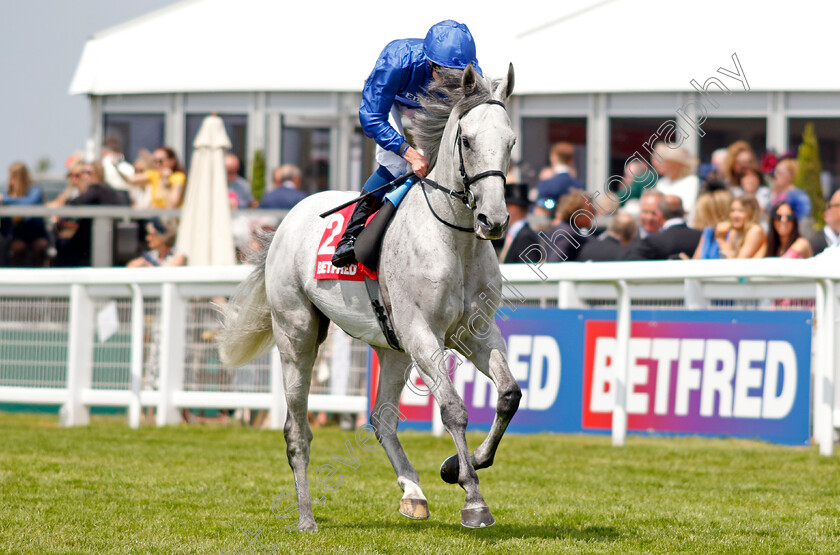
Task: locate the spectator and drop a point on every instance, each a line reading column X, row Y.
column 741, row 236
column 830, row 236
column 751, row 182
column 240, row 188
column 115, row 166
column 562, row 241
column 676, row 166
column 164, row 183
column 675, row 239
column 784, row 240
column 160, row 236
column 785, row 191
column 26, row 237
column 286, row 192
column 73, row 238
column 650, row 217
column 519, row 235
column 562, row 160
column 739, row 156
column 711, row 209
column 614, row 244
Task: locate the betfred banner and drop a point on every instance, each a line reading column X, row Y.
column 743, row 374
column 720, row 373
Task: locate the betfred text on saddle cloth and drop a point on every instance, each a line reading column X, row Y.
column 324, row 269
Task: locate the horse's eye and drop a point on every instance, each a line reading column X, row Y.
column 466, row 142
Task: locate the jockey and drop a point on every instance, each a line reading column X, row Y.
column 400, row 75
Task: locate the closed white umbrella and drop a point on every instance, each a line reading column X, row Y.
column 204, row 235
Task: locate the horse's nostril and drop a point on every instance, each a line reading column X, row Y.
column 483, row 221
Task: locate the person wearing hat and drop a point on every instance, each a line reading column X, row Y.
column 160, row 236
column 675, row 165
column 519, row 236
column 393, row 88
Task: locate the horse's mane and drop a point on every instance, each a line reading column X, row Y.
column 443, row 97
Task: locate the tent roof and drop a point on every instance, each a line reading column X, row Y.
column 574, row 46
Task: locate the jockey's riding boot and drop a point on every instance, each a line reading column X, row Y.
column 345, row 249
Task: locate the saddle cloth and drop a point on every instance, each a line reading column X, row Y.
column 324, row 269
column 368, row 244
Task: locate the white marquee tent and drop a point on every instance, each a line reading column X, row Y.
column 285, row 63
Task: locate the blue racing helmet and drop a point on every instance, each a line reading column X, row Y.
column 450, row 44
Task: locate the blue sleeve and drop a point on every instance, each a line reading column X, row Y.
column 378, row 95
column 33, row 197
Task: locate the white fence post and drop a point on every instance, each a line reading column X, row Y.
column 694, row 297
column 567, row 296
column 824, row 373
column 621, row 364
column 173, row 312
column 137, row 336
column 277, row 411
column 79, row 357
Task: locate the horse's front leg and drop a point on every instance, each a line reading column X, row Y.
column 423, row 345
column 488, row 356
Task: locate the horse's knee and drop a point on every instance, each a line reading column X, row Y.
column 453, row 414
column 509, row 398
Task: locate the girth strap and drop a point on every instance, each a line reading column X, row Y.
column 381, row 313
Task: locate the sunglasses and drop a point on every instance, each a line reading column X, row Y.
column 832, row 205
column 783, row 217
column 78, row 175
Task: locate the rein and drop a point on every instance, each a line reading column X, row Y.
column 466, row 196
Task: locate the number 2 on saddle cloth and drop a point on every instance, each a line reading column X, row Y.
column 367, row 245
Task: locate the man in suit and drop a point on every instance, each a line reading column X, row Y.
column 519, row 236
column 562, row 159
column 830, row 236
column 614, row 244
column 674, row 238
column 286, row 192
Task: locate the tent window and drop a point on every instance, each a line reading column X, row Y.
column 722, row 132
column 135, row 131
column 308, row 148
column 538, row 134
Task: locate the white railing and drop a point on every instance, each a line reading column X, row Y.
column 161, row 351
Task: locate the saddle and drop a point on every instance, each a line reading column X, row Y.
column 367, row 248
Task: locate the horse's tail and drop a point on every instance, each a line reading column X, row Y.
column 246, row 318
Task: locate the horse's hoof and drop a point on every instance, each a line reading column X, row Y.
column 449, row 470
column 478, row 517
column 308, row 526
column 416, row 509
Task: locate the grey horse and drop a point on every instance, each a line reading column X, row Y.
column 439, row 281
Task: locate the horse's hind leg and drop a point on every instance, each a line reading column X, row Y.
column 488, row 357
column 298, row 333
column 385, row 417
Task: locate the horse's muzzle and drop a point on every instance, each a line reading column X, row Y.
column 486, row 229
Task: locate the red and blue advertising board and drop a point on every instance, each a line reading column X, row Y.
column 716, row 373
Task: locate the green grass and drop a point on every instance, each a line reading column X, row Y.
column 197, row 489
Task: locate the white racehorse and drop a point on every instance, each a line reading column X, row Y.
column 438, row 274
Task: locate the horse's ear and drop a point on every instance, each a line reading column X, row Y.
column 506, row 86
column 468, row 79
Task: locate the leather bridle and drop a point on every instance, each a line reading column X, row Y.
column 466, row 196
